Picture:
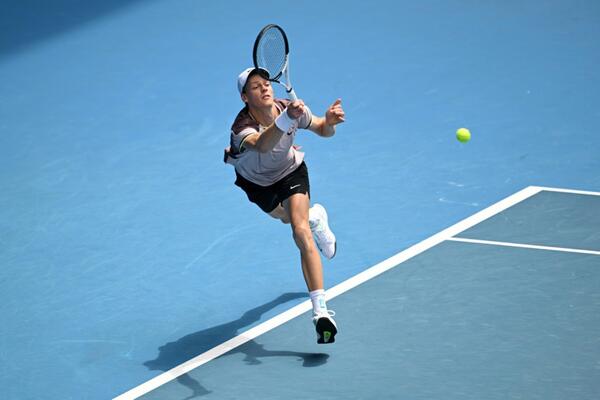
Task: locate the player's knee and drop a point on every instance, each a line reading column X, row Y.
column 280, row 214
column 303, row 236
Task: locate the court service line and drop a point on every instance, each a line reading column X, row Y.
column 570, row 191
column 524, row 246
column 350, row 283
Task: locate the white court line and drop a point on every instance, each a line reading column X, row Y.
column 215, row 352
column 570, row 191
column 524, row 246
column 330, row 294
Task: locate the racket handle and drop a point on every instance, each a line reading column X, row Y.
column 292, row 94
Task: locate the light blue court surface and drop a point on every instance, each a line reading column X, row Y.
column 125, row 248
column 461, row 320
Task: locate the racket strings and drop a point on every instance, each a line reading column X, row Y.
column 271, row 52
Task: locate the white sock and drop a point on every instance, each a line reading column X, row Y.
column 317, row 297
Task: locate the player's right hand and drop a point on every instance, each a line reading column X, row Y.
column 295, row 109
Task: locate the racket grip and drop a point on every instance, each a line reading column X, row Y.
column 292, row 94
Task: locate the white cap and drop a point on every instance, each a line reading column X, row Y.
column 243, row 77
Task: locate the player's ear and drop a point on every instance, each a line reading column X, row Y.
column 244, row 97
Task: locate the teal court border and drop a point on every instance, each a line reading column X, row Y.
column 447, row 234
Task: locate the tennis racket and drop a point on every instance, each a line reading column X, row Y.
column 271, row 52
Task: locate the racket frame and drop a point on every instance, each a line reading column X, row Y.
column 285, row 71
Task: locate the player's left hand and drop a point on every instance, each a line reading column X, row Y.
column 335, row 113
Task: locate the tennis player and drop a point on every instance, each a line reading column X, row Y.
column 271, row 171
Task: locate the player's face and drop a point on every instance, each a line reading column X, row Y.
column 259, row 92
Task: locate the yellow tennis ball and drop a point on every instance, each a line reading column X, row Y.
column 463, row 135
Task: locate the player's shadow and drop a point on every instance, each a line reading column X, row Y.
column 175, row 353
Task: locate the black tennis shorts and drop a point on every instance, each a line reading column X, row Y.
column 269, row 197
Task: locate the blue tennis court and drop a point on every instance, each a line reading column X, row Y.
column 464, row 316
column 131, row 266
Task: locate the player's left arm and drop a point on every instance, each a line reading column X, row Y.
column 325, row 126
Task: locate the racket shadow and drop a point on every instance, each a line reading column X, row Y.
column 175, row 353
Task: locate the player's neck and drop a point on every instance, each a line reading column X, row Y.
column 264, row 115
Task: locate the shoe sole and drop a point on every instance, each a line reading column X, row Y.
column 326, row 331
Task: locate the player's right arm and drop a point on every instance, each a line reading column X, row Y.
column 264, row 141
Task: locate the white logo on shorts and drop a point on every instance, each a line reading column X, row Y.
column 295, row 186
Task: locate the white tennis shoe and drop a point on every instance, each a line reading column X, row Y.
column 325, row 326
column 324, row 237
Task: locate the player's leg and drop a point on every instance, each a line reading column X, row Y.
column 281, row 214
column 297, row 206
